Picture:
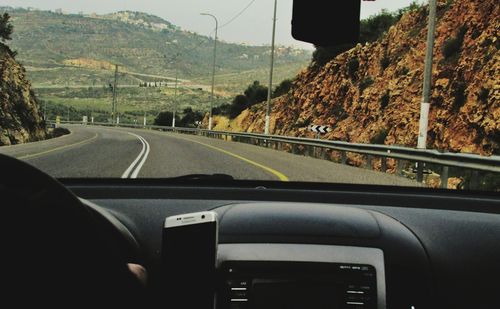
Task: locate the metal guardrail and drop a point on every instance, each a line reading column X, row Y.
column 318, row 148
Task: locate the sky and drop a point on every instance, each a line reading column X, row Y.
column 254, row 26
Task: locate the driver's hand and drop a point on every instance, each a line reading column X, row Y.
column 139, row 272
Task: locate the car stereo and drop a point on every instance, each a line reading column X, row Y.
column 296, row 285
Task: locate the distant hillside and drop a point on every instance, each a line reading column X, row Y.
column 51, row 45
column 372, row 93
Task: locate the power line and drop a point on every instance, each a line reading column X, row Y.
column 239, row 14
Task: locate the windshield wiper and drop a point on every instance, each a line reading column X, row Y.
column 215, row 177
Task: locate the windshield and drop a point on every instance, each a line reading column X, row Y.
column 162, row 89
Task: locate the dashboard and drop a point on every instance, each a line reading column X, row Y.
column 365, row 247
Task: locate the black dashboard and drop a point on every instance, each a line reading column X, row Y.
column 421, row 248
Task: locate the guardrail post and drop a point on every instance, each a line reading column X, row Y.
column 294, row 148
column 399, row 167
column 324, row 153
column 343, row 159
column 383, row 164
column 369, row 159
column 445, row 172
column 474, row 180
column 420, row 172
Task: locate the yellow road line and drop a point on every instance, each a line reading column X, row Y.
column 57, row 149
column 280, row 175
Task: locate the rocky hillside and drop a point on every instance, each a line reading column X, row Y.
column 372, row 93
column 20, row 117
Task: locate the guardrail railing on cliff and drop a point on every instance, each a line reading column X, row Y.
column 469, row 165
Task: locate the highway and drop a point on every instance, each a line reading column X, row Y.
column 91, row 151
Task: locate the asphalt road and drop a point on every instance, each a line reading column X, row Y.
column 129, row 153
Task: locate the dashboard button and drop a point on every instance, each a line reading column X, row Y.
column 239, row 294
column 238, row 283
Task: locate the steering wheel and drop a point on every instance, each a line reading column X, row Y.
column 53, row 251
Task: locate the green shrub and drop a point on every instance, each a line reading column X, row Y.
column 191, row 117
column 402, row 71
column 283, row 88
column 379, row 138
column 240, row 103
column 6, row 27
column 338, row 111
column 322, row 55
column 256, row 93
column 453, row 46
column 303, row 124
column 365, row 83
column 57, row 132
column 374, row 27
column 385, row 62
column 459, row 95
column 165, row 119
column 483, row 95
column 385, row 100
column 353, row 67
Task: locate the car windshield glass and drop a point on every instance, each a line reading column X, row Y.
column 221, row 90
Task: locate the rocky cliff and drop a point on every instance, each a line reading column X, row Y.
column 20, row 118
column 372, row 93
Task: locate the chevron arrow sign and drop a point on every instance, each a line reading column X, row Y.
column 319, row 129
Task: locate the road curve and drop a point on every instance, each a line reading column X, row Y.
column 129, row 153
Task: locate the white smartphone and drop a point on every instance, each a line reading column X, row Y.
column 189, row 253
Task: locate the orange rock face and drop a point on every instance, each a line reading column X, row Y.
column 465, row 110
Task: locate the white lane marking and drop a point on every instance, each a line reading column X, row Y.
column 143, row 154
column 144, row 158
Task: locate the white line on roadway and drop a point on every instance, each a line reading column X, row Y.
column 134, row 168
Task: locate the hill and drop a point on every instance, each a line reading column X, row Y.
column 372, row 93
column 54, row 45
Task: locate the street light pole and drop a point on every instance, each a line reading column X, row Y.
column 213, row 70
column 426, row 91
column 113, row 110
column 270, row 89
column 175, row 94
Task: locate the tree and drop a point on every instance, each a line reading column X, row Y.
column 283, row 88
column 190, row 118
column 240, row 103
column 6, row 27
column 165, row 119
column 256, row 93
column 322, row 55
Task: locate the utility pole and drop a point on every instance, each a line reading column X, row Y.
column 426, row 93
column 213, row 70
column 45, row 110
column 113, row 112
column 68, row 113
column 270, row 90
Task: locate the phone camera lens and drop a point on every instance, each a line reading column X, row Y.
column 203, row 217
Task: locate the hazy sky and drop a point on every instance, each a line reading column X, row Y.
column 253, row 27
